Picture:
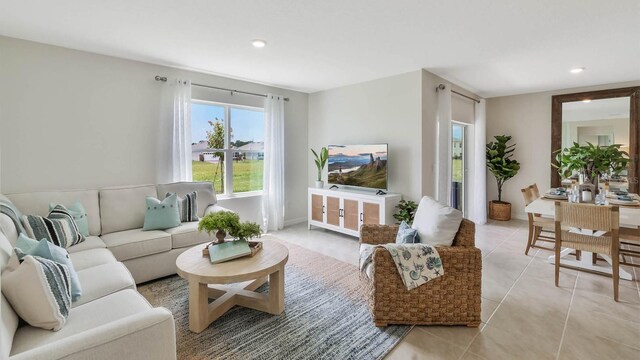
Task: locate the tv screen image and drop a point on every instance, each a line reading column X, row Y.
column 358, row 165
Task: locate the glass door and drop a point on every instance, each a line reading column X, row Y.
column 458, row 166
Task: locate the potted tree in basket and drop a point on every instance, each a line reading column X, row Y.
column 321, row 161
column 219, row 223
column 503, row 168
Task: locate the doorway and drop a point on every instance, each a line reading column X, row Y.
column 458, row 166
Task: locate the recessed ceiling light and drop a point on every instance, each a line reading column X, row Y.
column 586, row 101
column 258, row 43
column 577, row 70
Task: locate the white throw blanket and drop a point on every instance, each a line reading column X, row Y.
column 416, row 263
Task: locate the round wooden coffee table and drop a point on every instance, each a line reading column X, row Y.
column 237, row 281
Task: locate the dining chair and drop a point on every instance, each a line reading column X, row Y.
column 540, row 228
column 570, row 217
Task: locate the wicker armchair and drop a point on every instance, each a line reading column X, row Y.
column 452, row 299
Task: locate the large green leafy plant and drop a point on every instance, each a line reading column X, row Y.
column 320, row 160
column 591, row 160
column 500, row 162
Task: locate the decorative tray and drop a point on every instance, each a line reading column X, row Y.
column 255, row 246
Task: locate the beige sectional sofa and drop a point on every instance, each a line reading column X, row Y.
column 111, row 320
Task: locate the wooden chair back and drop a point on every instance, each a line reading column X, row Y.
column 530, row 193
column 587, row 216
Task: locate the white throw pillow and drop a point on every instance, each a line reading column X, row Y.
column 437, row 224
column 39, row 290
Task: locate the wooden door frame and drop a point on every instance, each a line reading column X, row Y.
column 634, row 126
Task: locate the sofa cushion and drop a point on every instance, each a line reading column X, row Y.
column 38, row 289
column 206, row 194
column 8, row 228
column 161, row 215
column 135, row 243
column 38, row 203
column 187, row 235
column 79, row 214
column 47, row 250
column 8, row 318
column 123, row 208
column 188, row 206
column 90, row 242
column 103, row 280
column 82, row 318
column 437, row 224
column 90, row 258
column 58, row 227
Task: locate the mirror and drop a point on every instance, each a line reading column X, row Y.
column 601, row 118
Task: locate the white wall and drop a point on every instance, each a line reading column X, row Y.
column 73, row 119
column 386, row 110
column 528, row 119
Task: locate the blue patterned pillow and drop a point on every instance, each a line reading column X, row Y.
column 188, row 206
column 58, row 227
column 47, row 250
column 407, row 235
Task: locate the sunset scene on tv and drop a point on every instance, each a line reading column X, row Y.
column 358, row 165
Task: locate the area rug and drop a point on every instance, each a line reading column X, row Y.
column 325, row 317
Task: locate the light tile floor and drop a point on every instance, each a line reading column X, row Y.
column 524, row 316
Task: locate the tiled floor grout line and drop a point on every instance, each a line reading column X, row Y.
column 499, row 304
column 566, row 321
column 502, row 242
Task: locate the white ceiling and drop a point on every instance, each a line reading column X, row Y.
column 491, row 47
column 616, row 108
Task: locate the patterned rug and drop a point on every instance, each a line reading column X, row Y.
column 325, row 317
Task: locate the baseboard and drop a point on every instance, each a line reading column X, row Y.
column 295, row 221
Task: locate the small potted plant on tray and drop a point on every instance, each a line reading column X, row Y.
column 220, row 223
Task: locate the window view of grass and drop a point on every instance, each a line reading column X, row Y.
column 457, row 170
column 247, row 175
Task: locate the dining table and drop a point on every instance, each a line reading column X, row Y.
column 629, row 225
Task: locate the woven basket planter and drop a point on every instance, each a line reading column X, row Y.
column 499, row 211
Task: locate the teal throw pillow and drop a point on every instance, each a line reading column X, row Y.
column 407, row 235
column 47, row 250
column 79, row 215
column 161, row 214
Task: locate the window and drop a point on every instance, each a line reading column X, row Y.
column 227, row 146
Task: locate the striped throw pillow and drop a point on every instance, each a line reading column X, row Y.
column 38, row 289
column 188, row 206
column 58, row 227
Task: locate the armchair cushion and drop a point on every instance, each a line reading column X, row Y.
column 437, row 224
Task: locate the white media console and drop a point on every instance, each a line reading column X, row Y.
column 346, row 210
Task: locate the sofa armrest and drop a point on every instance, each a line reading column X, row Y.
column 378, row 234
column 148, row 335
column 215, row 208
column 466, row 234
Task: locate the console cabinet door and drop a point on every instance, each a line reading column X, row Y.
column 370, row 213
column 350, row 214
column 317, row 208
column 333, row 211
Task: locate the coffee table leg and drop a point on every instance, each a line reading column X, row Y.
column 198, row 306
column 276, row 292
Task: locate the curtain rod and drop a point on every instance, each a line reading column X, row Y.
column 164, row 79
column 442, row 87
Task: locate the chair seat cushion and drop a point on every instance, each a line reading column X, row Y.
column 103, row 280
column 82, row 318
column 89, row 258
column 131, row 244
column 187, row 235
column 90, row 242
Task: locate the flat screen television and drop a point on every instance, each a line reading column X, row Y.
column 358, row 165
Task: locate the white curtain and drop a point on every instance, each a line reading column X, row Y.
column 180, row 167
column 273, row 180
column 480, row 169
column 443, row 170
